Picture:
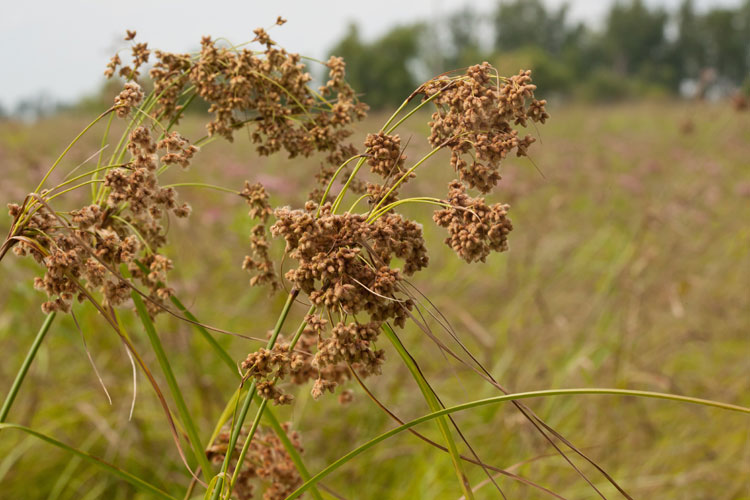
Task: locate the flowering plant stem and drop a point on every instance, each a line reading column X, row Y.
column 237, row 424
column 224, row 356
column 25, row 366
column 277, row 427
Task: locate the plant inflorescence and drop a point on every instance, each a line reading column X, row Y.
column 348, row 252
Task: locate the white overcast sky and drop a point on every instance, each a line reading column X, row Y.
column 59, row 48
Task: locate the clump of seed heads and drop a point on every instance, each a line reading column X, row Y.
column 343, row 262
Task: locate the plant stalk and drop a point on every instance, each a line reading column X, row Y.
column 237, row 426
column 25, row 366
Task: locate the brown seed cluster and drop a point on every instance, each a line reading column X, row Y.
column 475, row 229
column 343, row 265
column 259, row 261
column 386, row 159
column 137, row 184
column 267, row 463
column 178, row 150
column 268, row 91
column 475, row 117
column 385, row 155
column 73, row 255
column 347, row 344
column 130, row 97
column 343, row 259
column 127, row 223
column 140, row 55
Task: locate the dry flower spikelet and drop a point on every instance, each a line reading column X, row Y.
column 126, row 225
column 259, row 261
column 475, row 228
column 342, row 261
column 131, row 96
column 475, row 117
column 269, row 86
column 343, row 265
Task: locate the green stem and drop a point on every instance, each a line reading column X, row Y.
column 341, row 194
column 246, row 445
column 237, row 426
column 227, row 359
column 434, row 405
column 262, row 407
column 357, row 202
column 395, row 114
column 182, row 409
column 105, row 138
column 333, row 179
column 203, row 185
column 25, row 366
column 70, row 146
column 179, row 114
column 406, row 176
column 500, row 399
column 430, row 201
column 410, row 113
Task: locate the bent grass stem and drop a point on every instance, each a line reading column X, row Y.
column 500, row 399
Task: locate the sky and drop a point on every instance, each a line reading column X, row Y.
column 59, row 48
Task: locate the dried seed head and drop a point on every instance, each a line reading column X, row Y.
column 475, row 228
column 131, row 96
column 475, row 117
column 385, row 156
column 259, row 261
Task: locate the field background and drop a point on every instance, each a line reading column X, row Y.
column 628, row 268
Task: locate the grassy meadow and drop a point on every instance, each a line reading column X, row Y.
column 628, row 268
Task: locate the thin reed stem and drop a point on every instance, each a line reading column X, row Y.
column 237, row 425
column 432, row 401
column 500, row 399
column 105, row 138
column 262, row 407
column 25, row 366
column 203, row 185
column 406, row 175
column 70, row 146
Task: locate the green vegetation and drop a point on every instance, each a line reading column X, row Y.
column 602, row 356
column 628, row 268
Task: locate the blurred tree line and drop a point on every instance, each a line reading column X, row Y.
column 637, row 51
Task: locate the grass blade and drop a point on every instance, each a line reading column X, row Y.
column 115, row 471
column 182, row 409
column 25, row 366
column 500, row 399
column 434, row 405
